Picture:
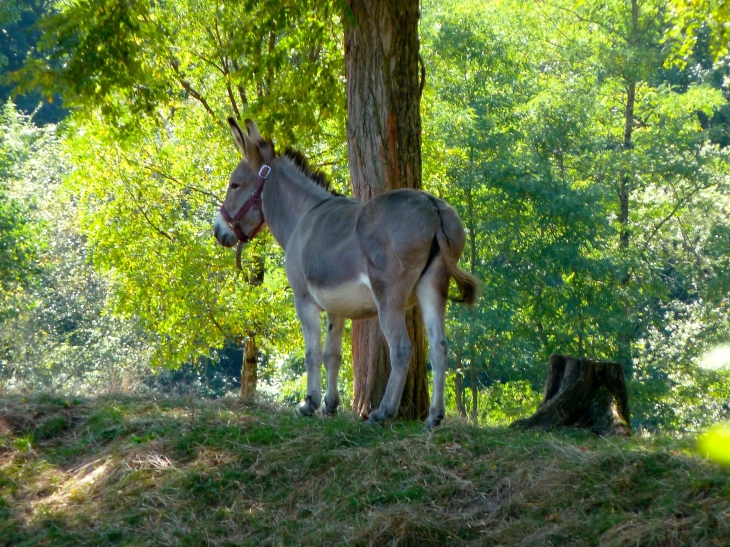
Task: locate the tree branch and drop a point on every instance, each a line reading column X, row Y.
column 217, row 200
column 211, row 63
column 187, row 87
column 147, row 218
column 224, row 67
column 241, row 91
column 582, row 19
column 676, row 208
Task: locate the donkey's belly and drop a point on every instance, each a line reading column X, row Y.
column 352, row 300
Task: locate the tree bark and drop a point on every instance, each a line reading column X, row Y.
column 625, row 336
column 474, row 394
column 583, row 393
column 384, row 152
column 459, row 386
column 249, row 372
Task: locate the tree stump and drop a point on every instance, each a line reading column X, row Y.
column 582, row 393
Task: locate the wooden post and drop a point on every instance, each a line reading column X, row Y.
column 582, row 393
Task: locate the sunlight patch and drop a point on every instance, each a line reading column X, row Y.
column 76, row 484
column 717, row 358
column 151, row 460
column 715, row 443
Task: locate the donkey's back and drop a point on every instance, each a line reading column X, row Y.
column 414, row 227
column 345, row 252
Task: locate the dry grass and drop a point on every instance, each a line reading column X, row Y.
column 129, row 471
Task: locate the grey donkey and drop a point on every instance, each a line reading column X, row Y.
column 350, row 259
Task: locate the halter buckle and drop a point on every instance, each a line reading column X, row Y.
column 264, row 171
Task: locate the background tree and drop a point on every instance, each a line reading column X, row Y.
column 18, row 235
column 588, row 167
column 19, row 36
column 153, row 120
column 55, row 334
column 690, row 18
column 527, row 136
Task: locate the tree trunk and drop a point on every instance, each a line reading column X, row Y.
column 474, row 395
column 459, row 387
column 384, row 152
column 583, row 393
column 625, row 336
column 249, row 372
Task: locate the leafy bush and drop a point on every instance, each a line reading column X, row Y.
column 498, row 404
column 56, row 335
column 670, row 389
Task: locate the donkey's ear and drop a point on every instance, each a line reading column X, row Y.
column 264, row 146
column 243, row 143
column 253, row 131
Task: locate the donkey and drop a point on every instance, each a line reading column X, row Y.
column 351, row 259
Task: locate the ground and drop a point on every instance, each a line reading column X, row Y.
column 145, row 471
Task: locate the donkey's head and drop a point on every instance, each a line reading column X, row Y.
column 240, row 217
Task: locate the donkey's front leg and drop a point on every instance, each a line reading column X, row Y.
column 332, row 361
column 308, row 313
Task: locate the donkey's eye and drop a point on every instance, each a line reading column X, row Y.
column 234, row 186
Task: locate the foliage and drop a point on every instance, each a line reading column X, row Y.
column 183, row 471
column 56, row 335
column 690, row 17
column 588, row 184
column 499, row 404
column 131, row 59
column 9, row 13
column 152, row 156
column 589, row 168
column 18, row 238
column 165, row 267
column 671, row 388
column 18, row 36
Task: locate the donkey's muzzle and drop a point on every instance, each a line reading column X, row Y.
column 223, row 234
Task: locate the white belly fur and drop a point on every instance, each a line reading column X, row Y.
column 352, row 300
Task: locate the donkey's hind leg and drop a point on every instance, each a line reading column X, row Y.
column 332, row 361
column 309, row 313
column 432, row 290
column 393, row 324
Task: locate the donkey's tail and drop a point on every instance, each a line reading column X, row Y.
column 450, row 238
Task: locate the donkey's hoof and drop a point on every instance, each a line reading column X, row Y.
column 376, row 417
column 433, row 422
column 330, row 409
column 305, row 410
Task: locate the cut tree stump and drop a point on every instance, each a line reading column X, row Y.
column 582, row 393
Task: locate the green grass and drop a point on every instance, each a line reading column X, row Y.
column 133, row 471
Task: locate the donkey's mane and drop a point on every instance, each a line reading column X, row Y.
column 301, row 163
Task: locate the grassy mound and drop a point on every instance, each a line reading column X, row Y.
column 130, row 471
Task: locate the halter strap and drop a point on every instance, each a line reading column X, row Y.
column 253, row 201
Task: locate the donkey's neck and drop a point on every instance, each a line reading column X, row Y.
column 287, row 197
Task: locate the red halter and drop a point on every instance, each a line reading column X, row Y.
column 253, row 201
